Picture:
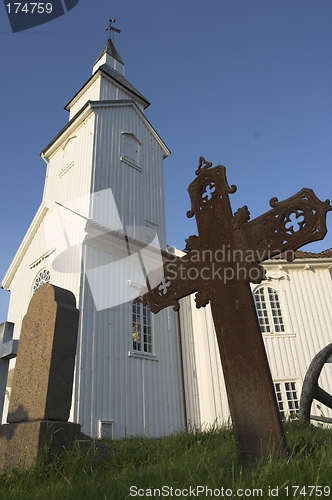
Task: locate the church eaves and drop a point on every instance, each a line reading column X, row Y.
column 119, row 79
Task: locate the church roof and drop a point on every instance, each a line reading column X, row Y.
column 111, row 50
column 300, row 254
column 122, row 80
column 325, row 254
column 118, row 78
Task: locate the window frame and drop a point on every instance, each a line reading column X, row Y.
column 270, row 323
column 68, row 155
column 39, row 275
column 132, row 162
column 141, row 347
column 287, row 398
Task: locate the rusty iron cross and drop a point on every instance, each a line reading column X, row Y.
column 219, row 265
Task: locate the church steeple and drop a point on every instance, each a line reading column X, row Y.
column 107, row 81
column 110, row 56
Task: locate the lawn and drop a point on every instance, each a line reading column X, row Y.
column 192, row 465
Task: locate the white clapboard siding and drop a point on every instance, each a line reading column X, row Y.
column 48, row 244
column 66, row 183
column 129, row 184
column 90, row 92
column 140, row 396
column 110, row 92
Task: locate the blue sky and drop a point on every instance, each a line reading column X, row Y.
column 244, row 83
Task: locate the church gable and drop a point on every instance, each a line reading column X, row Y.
column 69, row 162
column 50, row 250
column 129, row 161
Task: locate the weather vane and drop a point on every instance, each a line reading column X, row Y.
column 110, row 28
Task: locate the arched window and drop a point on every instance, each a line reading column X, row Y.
column 130, row 153
column 44, row 276
column 269, row 310
column 142, row 330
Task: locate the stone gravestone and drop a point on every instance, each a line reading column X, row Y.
column 219, row 265
column 43, row 379
column 8, row 350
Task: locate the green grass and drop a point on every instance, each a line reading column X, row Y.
column 180, row 461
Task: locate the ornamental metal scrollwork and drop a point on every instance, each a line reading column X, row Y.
column 289, row 224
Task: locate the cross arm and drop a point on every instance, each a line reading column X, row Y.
column 173, row 281
column 9, row 349
column 291, row 223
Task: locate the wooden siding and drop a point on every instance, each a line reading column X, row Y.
column 139, row 195
column 75, row 183
column 48, row 236
column 140, row 395
column 89, row 93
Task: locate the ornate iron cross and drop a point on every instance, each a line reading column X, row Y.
column 219, row 265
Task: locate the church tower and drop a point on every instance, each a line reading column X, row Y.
column 98, row 232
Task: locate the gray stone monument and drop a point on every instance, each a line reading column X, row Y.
column 43, row 380
column 8, row 350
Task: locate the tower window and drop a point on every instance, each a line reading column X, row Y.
column 68, row 155
column 131, row 150
column 269, row 310
column 142, row 330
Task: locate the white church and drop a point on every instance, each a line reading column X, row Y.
column 99, row 230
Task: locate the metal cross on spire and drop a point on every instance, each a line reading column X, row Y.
column 111, row 28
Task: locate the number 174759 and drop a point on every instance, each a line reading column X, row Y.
column 29, row 8
column 308, row 491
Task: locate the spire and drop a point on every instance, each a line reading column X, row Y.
column 109, row 55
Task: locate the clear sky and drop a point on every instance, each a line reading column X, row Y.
column 244, row 83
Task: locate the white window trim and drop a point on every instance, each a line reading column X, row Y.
column 284, row 312
column 286, row 411
column 36, row 278
column 69, row 165
column 141, row 353
column 126, row 159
